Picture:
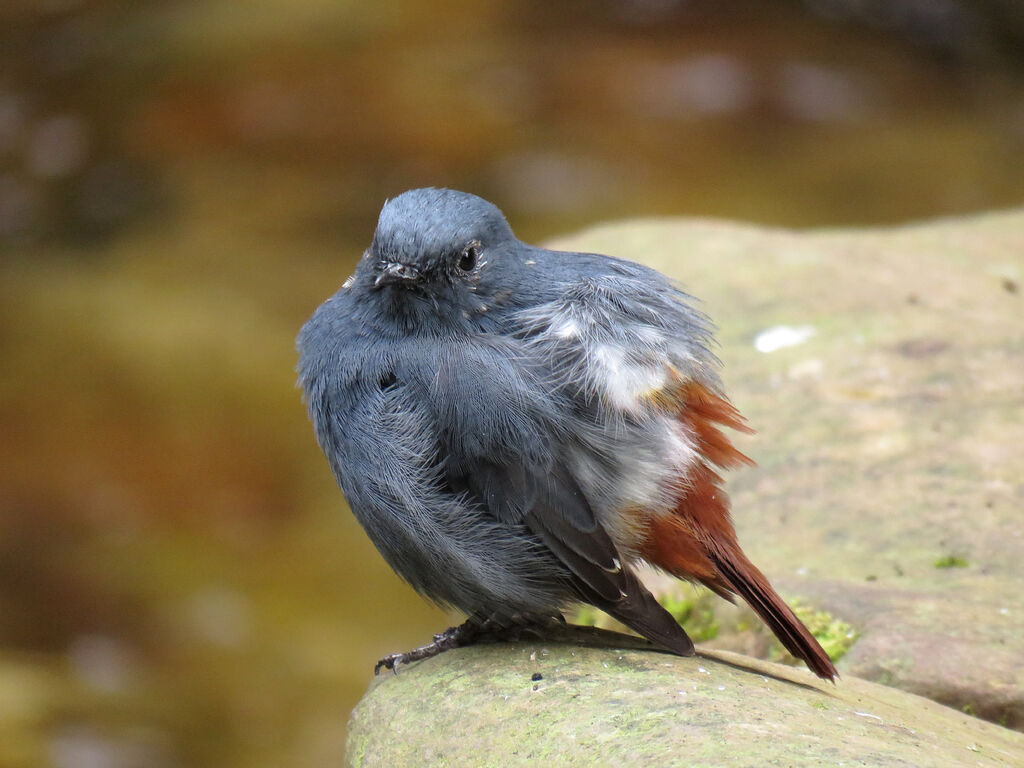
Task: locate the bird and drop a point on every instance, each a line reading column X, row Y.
column 518, row 429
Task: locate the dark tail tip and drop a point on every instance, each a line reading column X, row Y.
column 750, row 584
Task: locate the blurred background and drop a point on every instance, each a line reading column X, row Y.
column 183, row 181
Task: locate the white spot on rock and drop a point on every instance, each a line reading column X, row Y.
column 781, row 336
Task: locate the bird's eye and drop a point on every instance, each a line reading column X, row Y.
column 470, row 256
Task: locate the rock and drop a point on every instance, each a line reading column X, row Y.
column 484, row 706
column 884, row 372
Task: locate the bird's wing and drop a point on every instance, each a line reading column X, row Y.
column 504, row 430
column 501, row 433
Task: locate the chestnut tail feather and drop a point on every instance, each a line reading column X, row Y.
column 748, row 582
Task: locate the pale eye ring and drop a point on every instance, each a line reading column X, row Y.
column 470, row 257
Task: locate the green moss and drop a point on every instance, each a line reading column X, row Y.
column 695, row 613
column 951, row 561
column 835, row 635
column 587, row 616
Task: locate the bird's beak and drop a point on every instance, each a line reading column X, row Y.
column 396, row 272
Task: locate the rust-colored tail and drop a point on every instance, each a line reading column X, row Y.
column 697, row 540
column 687, row 550
column 743, row 578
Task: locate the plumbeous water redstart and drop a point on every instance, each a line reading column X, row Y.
column 516, row 428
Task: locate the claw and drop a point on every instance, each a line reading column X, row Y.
column 390, row 662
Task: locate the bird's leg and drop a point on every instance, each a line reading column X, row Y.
column 480, row 628
column 453, row 637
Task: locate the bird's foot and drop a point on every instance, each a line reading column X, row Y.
column 453, row 637
column 476, row 629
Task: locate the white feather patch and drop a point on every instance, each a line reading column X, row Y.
column 624, row 382
column 679, row 445
column 565, row 328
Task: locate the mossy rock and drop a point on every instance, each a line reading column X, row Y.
column 565, row 705
column 889, row 489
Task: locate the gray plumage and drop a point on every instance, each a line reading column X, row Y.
column 482, row 403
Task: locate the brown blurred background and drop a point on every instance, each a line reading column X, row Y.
column 183, row 181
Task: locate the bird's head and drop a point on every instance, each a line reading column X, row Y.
column 432, row 247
